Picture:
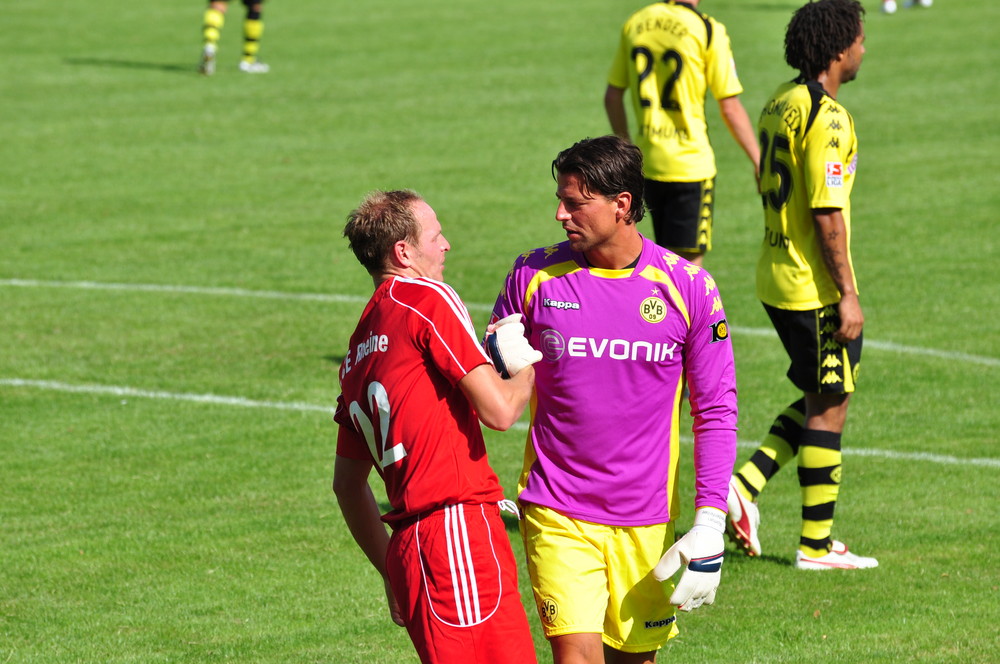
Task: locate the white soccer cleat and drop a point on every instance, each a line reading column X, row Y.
column 888, row 6
column 254, row 67
column 744, row 520
column 207, row 66
column 838, row 558
column 925, row 3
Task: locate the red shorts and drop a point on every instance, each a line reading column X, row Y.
column 454, row 576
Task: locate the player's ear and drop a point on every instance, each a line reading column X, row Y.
column 623, row 205
column 401, row 254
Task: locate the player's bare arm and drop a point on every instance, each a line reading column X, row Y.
column 361, row 513
column 735, row 116
column 614, row 105
column 832, row 234
column 499, row 402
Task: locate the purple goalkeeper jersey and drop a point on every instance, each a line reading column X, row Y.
column 618, row 345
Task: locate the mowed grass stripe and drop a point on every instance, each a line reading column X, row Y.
column 220, row 400
column 980, row 360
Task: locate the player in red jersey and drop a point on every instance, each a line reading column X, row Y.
column 415, row 385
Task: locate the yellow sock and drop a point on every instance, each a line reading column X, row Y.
column 819, row 478
column 778, row 448
column 252, row 31
column 212, row 26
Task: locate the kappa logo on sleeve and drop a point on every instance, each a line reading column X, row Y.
column 834, row 174
column 720, row 331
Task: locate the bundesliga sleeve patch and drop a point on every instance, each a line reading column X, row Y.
column 834, row 174
column 720, row 331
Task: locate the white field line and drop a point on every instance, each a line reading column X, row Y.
column 212, row 399
column 980, row 360
column 120, row 391
column 193, row 290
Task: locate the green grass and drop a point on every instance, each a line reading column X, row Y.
column 162, row 524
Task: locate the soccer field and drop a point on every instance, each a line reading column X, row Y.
column 176, row 297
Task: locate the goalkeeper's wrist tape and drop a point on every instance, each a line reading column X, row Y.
column 710, row 517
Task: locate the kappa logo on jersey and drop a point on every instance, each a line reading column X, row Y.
column 709, row 285
column 558, row 304
column 834, row 174
column 653, row 310
column 720, row 331
column 834, row 125
column 834, row 143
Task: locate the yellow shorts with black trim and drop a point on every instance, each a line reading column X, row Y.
column 590, row 578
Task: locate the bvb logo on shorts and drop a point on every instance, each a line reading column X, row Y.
column 548, row 610
column 653, row 310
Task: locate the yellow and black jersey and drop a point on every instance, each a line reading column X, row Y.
column 668, row 56
column 809, row 154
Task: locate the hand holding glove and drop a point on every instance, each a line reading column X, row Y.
column 508, row 348
column 701, row 550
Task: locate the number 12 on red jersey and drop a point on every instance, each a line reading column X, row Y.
column 378, row 402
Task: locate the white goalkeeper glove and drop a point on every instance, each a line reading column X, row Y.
column 701, row 549
column 508, row 348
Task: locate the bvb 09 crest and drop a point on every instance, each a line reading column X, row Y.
column 653, row 310
column 548, row 610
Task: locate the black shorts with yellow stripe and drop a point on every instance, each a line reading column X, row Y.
column 682, row 214
column 820, row 364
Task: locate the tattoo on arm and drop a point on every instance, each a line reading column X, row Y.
column 835, row 256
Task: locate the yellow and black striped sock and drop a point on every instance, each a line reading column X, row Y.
column 212, row 26
column 819, row 478
column 253, row 29
column 778, row 448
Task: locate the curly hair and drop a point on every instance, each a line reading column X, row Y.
column 819, row 32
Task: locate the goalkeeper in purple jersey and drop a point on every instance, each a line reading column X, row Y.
column 623, row 325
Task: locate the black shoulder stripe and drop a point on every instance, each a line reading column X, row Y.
column 704, row 19
column 816, row 94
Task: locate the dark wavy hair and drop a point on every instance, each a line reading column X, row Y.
column 606, row 166
column 819, row 32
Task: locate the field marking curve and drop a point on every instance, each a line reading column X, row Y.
column 980, row 360
column 242, row 402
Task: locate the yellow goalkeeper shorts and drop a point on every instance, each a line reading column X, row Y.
column 590, row 578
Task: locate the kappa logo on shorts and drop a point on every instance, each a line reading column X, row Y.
column 548, row 610
column 653, row 624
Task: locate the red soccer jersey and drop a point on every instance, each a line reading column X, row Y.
column 400, row 403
